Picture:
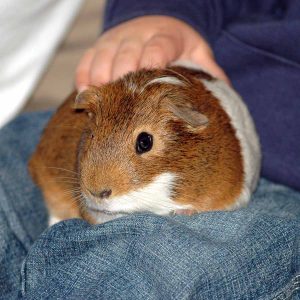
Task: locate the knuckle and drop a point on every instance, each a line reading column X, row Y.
column 125, row 55
column 96, row 75
column 154, row 57
column 126, row 59
column 155, row 47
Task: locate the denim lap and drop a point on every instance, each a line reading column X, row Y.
column 252, row 253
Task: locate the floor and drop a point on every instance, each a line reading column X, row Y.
column 58, row 81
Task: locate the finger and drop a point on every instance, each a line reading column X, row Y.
column 206, row 60
column 83, row 68
column 101, row 65
column 127, row 58
column 212, row 67
column 159, row 51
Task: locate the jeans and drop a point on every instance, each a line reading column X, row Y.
column 251, row 253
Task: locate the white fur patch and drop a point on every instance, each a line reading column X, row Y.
column 53, row 220
column 166, row 79
column 155, row 197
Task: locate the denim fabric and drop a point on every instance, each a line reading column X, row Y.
column 252, row 253
column 22, row 213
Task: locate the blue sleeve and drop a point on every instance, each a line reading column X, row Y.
column 208, row 17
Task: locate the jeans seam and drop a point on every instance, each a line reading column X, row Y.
column 289, row 289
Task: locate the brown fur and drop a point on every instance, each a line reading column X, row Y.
column 101, row 150
column 53, row 165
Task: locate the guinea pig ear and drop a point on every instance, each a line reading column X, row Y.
column 84, row 99
column 189, row 115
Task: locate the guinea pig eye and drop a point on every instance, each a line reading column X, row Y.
column 92, row 135
column 144, row 142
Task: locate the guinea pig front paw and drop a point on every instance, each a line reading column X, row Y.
column 53, row 220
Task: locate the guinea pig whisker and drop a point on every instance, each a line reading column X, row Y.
column 76, row 202
column 67, row 177
column 65, row 181
column 74, row 198
column 62, row 169
column 83, row 184
column 73, row 192
column 77, row 198
column 70, row 195
column 74, row 189
column 67, row 126
column 82, row 203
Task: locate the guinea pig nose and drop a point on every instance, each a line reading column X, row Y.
column 105, row 193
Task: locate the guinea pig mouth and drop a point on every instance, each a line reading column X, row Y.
column 107, row 212
column 101, row 215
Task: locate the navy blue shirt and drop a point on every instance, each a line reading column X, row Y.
column 257, row 43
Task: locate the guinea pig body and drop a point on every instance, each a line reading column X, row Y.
column 171, row 140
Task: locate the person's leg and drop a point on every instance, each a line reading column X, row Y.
column 22, row 213
column 252, row 253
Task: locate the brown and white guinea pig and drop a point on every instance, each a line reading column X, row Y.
column 173, row 140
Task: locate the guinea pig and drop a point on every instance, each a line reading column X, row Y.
column 172, row 140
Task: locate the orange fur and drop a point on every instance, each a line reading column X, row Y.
column 53, row 165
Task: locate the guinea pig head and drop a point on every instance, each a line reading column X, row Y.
column 152, row 143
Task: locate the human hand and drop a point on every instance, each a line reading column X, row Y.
column 144, row 42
